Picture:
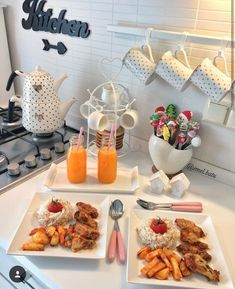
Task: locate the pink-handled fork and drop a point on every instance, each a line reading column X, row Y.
column 176, row 206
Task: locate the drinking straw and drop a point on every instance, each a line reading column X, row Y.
column 80, row 137
column 111, row 136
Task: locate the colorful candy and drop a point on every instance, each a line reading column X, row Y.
column 160, row 111
column 171, row 111
column 166, row 133
column 184, row 116
column 168, row 125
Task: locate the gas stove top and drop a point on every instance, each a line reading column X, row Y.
column 23, row 154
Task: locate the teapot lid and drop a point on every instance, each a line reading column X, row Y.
column 39, row 73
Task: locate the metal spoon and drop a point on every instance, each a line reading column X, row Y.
column 116, row 241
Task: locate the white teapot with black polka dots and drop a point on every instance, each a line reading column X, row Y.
column 42, row 111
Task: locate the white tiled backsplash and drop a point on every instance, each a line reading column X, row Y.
column 81, row 62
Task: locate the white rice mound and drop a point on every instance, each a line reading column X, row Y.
column 156, row 240
column 46, row 218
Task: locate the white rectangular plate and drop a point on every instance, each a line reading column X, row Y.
column 195, row 280
column 126, row 182
column 29, row 222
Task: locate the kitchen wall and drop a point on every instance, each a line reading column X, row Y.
column 81, row 62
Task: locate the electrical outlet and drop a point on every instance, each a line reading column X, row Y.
column 231, row 119
column 215, row 112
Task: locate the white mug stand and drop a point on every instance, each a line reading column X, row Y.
column 96, row 103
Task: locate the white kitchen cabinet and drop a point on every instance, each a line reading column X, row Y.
column 5, row 64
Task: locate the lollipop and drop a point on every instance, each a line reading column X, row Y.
column 183, row 127
column 173, row 126
column 180, row 140
column 166, row 133
column 160, row 126
column 190, row 135
column 154, row 120
column 185, row 116
column 194, row 125
column 195, row 142
column 160, row 110
column 171, row 111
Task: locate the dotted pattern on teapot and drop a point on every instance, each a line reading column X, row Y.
column 140, row 65
column 41, row 118
column 173, row 71
column 39, row 87
column 213, row 82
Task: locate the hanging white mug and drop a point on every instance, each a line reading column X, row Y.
column 212, row 81
column 129, row 119
column 110, row 97
column 140, row 65
column 173, row 70
column 97, row 120
column 86, row 109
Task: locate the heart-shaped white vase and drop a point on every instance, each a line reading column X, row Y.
column 165, row 157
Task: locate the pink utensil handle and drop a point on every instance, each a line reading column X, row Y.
column 112, row 246
column 196, row 209
column 187, row 204
column 121, row 248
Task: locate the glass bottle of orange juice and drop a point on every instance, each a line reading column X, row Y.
column 107, row 163
column 76, row 160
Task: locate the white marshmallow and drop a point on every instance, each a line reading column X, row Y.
column 179, row 184
column 159, row 182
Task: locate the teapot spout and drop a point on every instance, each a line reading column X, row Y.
column 65, row 106
column 58, row 81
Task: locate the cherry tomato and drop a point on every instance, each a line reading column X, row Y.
column 55, row 206
column 158, row 226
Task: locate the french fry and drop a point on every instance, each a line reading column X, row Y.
column 169, row 253
column 152, row 255
column 158, row 267
column 165, row 260
column 150, row 265
column 143, row 252
column 32, row 246
column 176, row 270
column 163, row 274
column 61, row 231
column 41, row 237
column 184, row 270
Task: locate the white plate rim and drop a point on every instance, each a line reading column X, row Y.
column 146, row 281
column 44, row 253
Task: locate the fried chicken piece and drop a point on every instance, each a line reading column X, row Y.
column 79, row 243
column 86, row 232
column 201, row 245
column 88, row 209
column 187, row 224
column 186, row 235
column 196, row 264
column 184, row 269
column 188, row 248
column 84, row 218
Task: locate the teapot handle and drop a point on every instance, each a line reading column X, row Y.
column 12, row 77
column 16, row 98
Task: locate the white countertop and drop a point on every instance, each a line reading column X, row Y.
column 218, row 200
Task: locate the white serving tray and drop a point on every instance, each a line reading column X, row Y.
column 127, row 181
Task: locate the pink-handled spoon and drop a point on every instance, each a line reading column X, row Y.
column 116, row 242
